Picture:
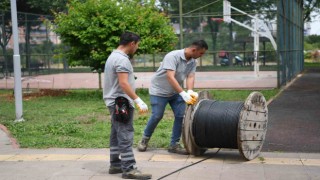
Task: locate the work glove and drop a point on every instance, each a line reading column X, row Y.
column 141, row 105
column 187, row 98
column 193, row 94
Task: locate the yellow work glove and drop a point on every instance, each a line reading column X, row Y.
column 187, row 98
column 193, row 94
column 141, row 105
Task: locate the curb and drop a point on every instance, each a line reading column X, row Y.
column 14, row 142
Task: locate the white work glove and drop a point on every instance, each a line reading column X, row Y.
column 141, row 105
column 187, row 98
column 193, row 94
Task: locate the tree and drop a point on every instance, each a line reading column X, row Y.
column 310, row 6
column 91, row 29
column 313, row 40
column 5, row 32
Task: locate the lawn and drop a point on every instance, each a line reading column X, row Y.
column 79, row 118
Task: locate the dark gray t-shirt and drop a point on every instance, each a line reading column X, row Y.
column 118, row 61
column 176, row 61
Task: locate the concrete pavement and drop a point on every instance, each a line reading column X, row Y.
column 78, row 164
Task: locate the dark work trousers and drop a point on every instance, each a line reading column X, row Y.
column 121, row 140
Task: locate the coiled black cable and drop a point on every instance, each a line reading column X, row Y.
column 215, row 124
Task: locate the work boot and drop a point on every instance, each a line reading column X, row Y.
column 143, row 144
column 115, row 170
column 177, row 149
column 135, row 174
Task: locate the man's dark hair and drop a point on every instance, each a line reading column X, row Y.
column 128, row 37
column 200, row 44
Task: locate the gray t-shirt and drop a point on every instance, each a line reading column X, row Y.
column 176, row 61
column 118, row 61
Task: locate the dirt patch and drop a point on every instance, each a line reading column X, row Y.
column 41, row 93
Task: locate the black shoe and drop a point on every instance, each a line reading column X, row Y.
column 177, row 149
column 143, row 144
column 115, row 170
column 135, row 174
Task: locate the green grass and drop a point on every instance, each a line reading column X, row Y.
column 80, row 119
column 312, row 64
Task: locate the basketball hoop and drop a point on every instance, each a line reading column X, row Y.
column 218, row 20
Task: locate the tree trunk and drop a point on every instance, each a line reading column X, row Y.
column 6, row 60
column 27, row 39
column 3, row 44
column 214, row 27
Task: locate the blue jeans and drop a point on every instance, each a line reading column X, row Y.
column 158, row 105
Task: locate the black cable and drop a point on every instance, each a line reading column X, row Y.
column 188, row 166
column 215, row 124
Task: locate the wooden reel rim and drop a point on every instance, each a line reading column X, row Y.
column 187, row 135
column 252, row 126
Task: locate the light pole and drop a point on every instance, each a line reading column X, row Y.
column 181, row 24
column 16, row 62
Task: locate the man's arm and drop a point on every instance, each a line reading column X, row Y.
column 176, row 86
column 172, row 80
column 190, row 81
column 124, row 84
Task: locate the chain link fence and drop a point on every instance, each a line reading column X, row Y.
column 230, row 46
column 290, row 40
column 37, row 45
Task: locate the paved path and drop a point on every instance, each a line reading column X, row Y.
column 216, row 80
column 78, row 164
column 294, row 116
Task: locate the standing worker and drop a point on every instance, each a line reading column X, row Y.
column 166, row 87
column 119, row 96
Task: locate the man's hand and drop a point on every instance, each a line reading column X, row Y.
column 141, row 105
column 187, row 98
column 193, row 94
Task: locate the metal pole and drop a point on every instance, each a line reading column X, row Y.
column 181, row 24
column 256, row 48
column 17, row 65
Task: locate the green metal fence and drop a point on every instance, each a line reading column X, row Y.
column 290, row 39
column 38, row 43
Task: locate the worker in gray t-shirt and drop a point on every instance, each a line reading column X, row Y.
column 119, row 95
column 167, row 87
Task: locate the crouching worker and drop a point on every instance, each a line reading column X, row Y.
column 166, row 88
column 119, row 96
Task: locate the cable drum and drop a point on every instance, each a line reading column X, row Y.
column 215, row 124
column 223, row 124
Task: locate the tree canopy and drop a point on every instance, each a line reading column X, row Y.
column 314, row 40
column 310, row 6
column 91, row 29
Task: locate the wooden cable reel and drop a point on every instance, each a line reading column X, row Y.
column 252, row 126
